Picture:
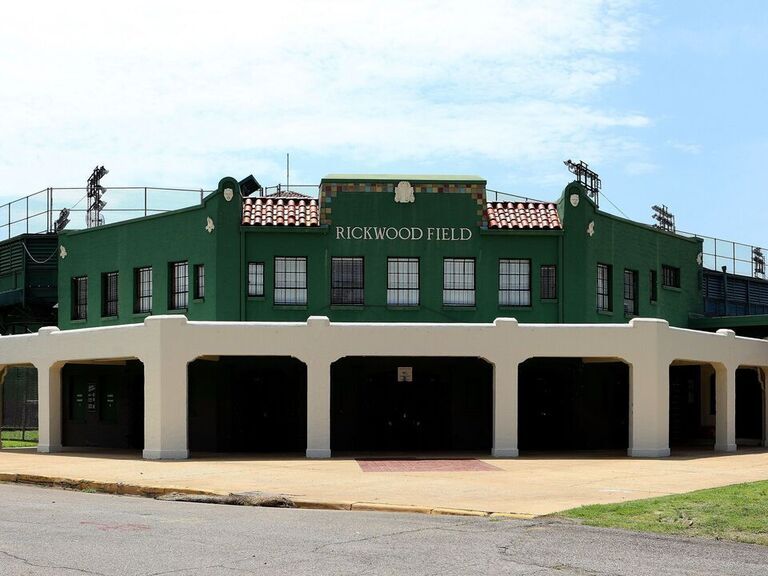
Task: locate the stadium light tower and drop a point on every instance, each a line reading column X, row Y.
column 95, row 190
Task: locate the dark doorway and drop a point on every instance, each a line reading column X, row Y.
column 749, row 407
column 569, row 404
column 103, row 405
column 247, row 404
column 401, row 404
column 691, row 408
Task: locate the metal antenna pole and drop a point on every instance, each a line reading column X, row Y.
column 288, row 172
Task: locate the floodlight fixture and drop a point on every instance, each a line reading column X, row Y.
column 664, row 218
column 587, row 178
column 93, row 216
column 62, row 221
column 758, row 262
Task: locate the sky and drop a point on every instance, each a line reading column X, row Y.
column 666, row 101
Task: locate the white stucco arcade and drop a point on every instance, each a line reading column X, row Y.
column 167, row 344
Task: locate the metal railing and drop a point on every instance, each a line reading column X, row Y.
column 312, row 190
column 36, row 213
column 737, row 258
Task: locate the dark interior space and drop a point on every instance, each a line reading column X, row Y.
column 247, row 404
column 103, row 405
column 689, row 410
column 749, row 407
column 401, row 404
column 569, row 404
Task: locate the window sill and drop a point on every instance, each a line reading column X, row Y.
column 79, row 320
column 198, row 300
column 550, row 301
column 256, row 298
column 347, row 306
column 141, row 314
column 515, row 307
column 672, row 288
column 396, row 307
column 459, row 308
column 289, row 307
column 605, row 312
column 115, row 317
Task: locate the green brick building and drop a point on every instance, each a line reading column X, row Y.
column 445, row 254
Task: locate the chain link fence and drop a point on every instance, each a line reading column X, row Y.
column 19, row 410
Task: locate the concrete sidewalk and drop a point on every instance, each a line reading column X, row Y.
column 529, row 485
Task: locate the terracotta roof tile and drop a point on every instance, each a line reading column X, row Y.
column 279, row 211
column 523, row 216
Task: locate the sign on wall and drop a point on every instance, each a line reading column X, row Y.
column 412, row 233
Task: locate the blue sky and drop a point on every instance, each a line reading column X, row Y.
column 665, row 100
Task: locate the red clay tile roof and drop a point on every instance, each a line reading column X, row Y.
column 523, row 216
column 271, row 211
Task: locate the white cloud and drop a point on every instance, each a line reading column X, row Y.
column 174, row 94
column 685, row 147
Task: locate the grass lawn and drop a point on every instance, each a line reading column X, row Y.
column 12, row 439
column 738, row 512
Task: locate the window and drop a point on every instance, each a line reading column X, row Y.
column 199, row 271
column 630, row 293
column 142, row 288
column 458, row 282
column 255, row 278
column 514, row 282
column 670, row 276
column 549, row 282
column 604, row 288
column 291, row 281
column 80, row 298
column 179, row 285
column 402, row 281
column 347, row 283
column 654, row 282
column 109, row 294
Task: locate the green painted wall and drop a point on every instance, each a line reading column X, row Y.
column 157, row 241
column 181, row 235
column 624, row 244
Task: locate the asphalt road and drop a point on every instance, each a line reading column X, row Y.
column 46, row 531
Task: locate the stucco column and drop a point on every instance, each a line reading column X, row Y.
column 649, row 409
column 49, row 406
column 648, row 390
column 318, row 409
column 725, row 402
column 319, row 391
column 165, row 389
column 505, row 408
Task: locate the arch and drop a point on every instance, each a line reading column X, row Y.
column 411, row 404
column 573, row 403
column 247, row 404
column 102, row 404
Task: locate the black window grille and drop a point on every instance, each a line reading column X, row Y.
column 549, row 282
column 80, row 298
column 654, row 282
column 630, row 293
column 255, row 278
column 604, row 288
column 142, row 280
column 458, row 282
column 109, row 294
column 670, row 276
column 291, row 281
column 402, row 281
column 347, row 281
column 179, row 285
column 514, row 282
column 199, row 271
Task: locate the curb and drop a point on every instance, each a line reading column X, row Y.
column 120, row 489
